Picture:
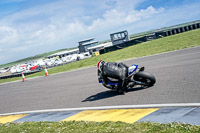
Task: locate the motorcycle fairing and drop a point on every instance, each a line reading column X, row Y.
column 109, row 82
column 112, row 83
column 132, row 69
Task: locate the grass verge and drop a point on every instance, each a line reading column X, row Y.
column 96, row 127
column 170, row 43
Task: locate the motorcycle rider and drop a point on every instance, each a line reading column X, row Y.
column 114, row 70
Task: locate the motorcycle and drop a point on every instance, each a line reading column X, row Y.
column 136, row 76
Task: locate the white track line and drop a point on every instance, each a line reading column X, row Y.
column 109, row 107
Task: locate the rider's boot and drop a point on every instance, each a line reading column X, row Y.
column 131, row 84
column 120, row 87
column 120, row 91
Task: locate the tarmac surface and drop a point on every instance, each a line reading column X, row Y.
column 177, row 74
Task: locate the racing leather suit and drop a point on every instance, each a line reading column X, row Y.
column 115, row 71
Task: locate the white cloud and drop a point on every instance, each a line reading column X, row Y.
column 61, row 24
column 117, row 17
column 8, row 34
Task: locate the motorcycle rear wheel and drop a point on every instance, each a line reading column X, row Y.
column 146, row 78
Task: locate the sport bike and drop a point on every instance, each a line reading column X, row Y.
column 135, row 76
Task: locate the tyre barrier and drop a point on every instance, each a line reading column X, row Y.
column 151, row 36
column 19, row 74
column 148, row 37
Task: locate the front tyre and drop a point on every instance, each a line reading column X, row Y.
column 146, row 78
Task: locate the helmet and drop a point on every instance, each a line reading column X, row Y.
column 100, row 65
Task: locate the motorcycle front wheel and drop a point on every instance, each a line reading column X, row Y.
column 146, row 78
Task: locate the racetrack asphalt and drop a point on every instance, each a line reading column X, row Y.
column 177, row 74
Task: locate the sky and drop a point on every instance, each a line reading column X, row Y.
column 31, row 27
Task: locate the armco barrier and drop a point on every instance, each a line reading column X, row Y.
column 194, row 26
column 151, row 36
column 160, row 34
column 166, row 33
column 145, row 38
column 123, row 45
column 198, row 25
column 190, row 27
column 182, row 29
column 19, row 74
column 173, row 31
column 27, row 73
column 178, row 30
column 169, row 33
column 186, row 28
column 141, row 39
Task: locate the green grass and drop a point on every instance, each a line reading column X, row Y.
column 96, row 127
column 170, row 43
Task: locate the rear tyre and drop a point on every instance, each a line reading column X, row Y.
column 145, row 77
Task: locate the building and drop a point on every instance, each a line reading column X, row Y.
column 119, row 37
column 64, row 53
column 85, row 44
